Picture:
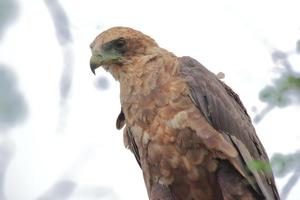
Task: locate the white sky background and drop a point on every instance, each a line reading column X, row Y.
column 230, row 36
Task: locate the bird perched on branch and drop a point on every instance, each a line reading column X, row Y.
column 189, row 132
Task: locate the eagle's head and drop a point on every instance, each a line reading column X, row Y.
column 118, row 46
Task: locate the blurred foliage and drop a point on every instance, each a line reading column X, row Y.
column 286, row 87
column 259, row 165
column 8, row 12
column 284, row 91
column 13, row 108
column 284, row 164
column 281, row 94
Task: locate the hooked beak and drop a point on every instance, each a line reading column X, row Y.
column 96, row 61
column 103, row 58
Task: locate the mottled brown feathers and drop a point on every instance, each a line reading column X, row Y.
column 124, row 32
column 189, row 132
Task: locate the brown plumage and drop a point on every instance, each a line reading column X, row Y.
column 189, row 132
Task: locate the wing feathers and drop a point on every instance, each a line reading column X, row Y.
column 224, row 110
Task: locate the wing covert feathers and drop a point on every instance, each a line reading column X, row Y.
column 225, row 112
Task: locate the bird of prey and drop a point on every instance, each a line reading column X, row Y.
column 190, row 133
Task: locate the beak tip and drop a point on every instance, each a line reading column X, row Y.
column 95, row 62
column 93, row 68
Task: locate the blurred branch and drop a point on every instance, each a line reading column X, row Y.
column 283, row 165
column 60, row 21
column 290, row 184
column 64, row 38
column 263, row 113
column 6, row 154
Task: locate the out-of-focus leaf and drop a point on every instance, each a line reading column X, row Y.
column 13, row 108
column 273, row 96
column 280, row 94
column 256, row 165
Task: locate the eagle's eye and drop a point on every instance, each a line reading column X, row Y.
column 119, row 44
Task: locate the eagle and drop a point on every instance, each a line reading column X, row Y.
column 189, row 132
